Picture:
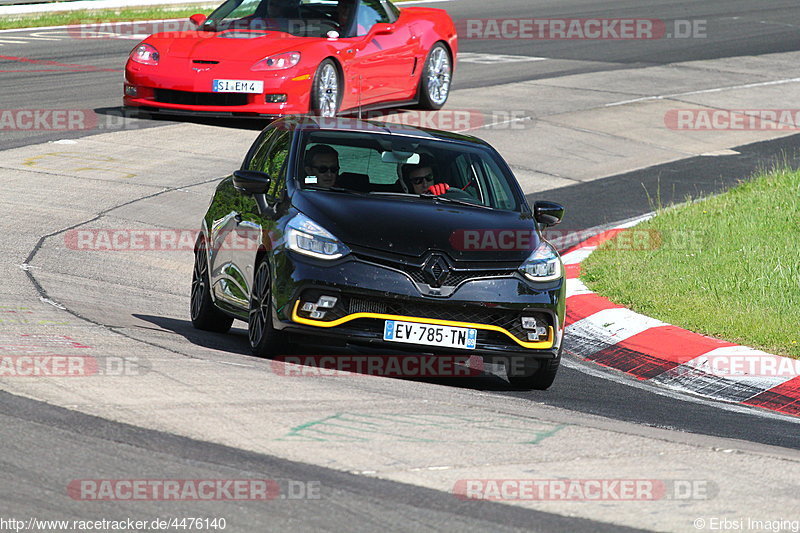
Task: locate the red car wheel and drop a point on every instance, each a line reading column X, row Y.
column 326, row 90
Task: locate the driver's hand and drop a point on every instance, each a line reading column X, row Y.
column 438, row 188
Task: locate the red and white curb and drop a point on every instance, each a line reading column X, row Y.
column 614, row 336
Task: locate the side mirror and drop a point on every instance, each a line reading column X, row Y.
column 548, row 213
column 251, row 181
column 382, row 28
column 197, row 19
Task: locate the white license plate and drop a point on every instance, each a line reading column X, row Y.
column 429, row 334
column 238, row 86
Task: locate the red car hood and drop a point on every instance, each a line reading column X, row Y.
column 226, row 45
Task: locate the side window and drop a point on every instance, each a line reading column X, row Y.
column 276, row 163
column 370, row 12
column 498, row 187
column 391, row 9
column 259, row 159
column 244, row 9
column 472, row 186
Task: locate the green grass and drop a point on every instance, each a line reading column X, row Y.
column 727, row 266
column 107, row 15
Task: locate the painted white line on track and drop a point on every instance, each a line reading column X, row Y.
column 490, row 59
column 706, row 91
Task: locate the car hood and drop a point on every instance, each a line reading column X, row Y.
column 412, row 226
column 225, row 45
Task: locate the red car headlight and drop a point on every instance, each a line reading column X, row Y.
column 145, row 54
column 278, row 61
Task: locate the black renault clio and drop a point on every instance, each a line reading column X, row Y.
column 349, row 232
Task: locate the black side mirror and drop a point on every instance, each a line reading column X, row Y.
column 251, row 181
column 548, row 213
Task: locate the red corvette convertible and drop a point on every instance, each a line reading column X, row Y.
column 279, row 57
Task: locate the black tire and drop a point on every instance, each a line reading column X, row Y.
column 540, row 379
column 434, row 84
column 265, row 340
column 205, row 315
column 326, row 90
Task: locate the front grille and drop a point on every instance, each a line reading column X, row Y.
column 507, row 319
column 170, row 96
column 362, row 305
column 454, row 278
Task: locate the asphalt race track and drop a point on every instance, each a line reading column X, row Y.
column 202, row 408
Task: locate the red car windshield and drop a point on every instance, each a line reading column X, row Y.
column 302, row 18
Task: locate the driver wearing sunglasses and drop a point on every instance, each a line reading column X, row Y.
column 322, row 166
column 421, row 178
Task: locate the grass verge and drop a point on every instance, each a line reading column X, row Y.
column 106, row 15
column 726, row 266
column 65, row 18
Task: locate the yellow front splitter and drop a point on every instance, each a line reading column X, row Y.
column 538, row 345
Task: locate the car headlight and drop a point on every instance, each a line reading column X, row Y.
column 543, row 264
column 145, row 54
column 305, row 236
column 278, row 61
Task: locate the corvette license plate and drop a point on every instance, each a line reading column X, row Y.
column 429, row 334
column 238, row 86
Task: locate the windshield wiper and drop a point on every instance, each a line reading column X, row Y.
column 391, row 193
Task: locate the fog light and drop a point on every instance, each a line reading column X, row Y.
column 528, row 322
column 308, row 307
column 533, row 336
column 318, row 314
column 275, row 98
column 131, row 90
column 326, row 302
column 542, row 331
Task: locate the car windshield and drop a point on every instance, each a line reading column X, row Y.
column 302, row 18
column 406, row 167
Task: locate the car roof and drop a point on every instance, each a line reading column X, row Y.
column 304, row 122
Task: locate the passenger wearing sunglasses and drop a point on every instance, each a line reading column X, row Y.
column 421, row 178
column 322, row 166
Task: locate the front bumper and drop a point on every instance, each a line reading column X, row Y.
column 183, row 91
column 369, row 294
